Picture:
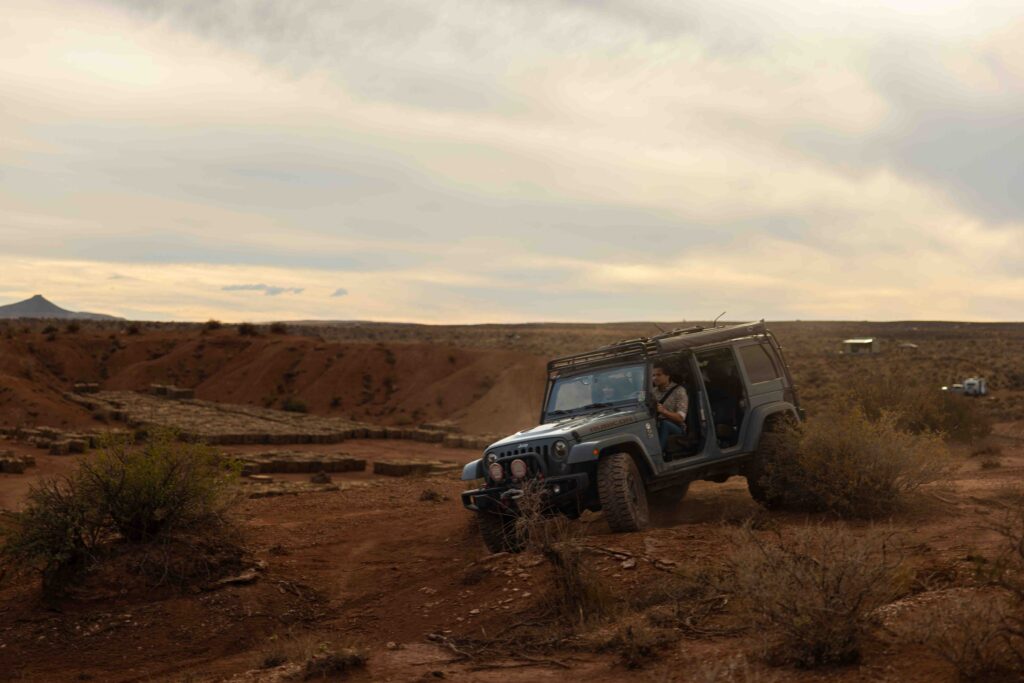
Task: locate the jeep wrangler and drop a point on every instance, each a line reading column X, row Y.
column 597, row 446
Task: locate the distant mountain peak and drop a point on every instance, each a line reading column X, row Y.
column 38, row 306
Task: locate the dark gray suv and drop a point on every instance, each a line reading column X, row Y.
column 597, row 445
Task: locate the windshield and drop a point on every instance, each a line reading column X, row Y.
column 597, row 389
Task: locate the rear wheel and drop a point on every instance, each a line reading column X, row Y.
column 499, row 532
column 622, row 494
column 757, row 470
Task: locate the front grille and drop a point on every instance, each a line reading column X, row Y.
column 520, row 450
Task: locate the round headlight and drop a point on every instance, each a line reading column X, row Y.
column 494, row 469
column 518, row 468
column 560, row 449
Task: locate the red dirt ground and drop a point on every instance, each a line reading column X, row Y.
column 372, row 564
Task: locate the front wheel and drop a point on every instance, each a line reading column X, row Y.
column 622, row 494
column 499, row 532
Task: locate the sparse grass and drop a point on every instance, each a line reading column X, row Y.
column 850, row 466
column 294, row 405
column 315, row 658
column 815, row 590
column 432, row 496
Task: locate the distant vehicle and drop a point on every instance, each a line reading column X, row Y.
column 597, row 445
column 975, row 386
column 972, row 386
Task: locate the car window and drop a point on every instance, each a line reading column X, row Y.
column 759, row 365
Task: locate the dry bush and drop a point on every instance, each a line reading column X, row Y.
column 970, row 634
column 984, row 638
column 815, row 590
column 919, row 404
column 850, row 466
column 576, row 591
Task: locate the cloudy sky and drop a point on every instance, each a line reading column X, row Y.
column 514, row 160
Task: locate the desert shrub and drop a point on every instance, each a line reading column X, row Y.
column 248, row 330
column 57, row 534
column 211, row 325
column 850, row 466
column 50, row 329
column 920, row 406
column 815, row 590
column 278, row 328
column 160, row 486
column 133, row 329
column 162, row 491
column 294, row 405
column 72, row 327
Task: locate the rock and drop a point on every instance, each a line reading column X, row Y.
column 60, row 448
column 320, row 478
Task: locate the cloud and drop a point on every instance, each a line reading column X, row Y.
column 340, row 291
column 268, row 290
column 515, row 161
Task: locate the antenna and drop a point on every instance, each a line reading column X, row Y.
column 715, row 323
column 659, row 327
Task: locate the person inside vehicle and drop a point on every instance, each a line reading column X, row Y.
column 672, row 405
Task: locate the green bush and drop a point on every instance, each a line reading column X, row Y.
column 157, row 487
column 815, row 592
column 161, row 490
column 850, row 466
column 58, row 533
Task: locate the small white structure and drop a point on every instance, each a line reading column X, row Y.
column 975, row 386
column 854, row 347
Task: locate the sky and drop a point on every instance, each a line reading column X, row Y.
column 514, row 160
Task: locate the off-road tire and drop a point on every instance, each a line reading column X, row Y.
column 668, row 498
column 757, row 468
column 499, row 532
column 621, row 490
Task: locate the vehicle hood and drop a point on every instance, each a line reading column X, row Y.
column 582, row 425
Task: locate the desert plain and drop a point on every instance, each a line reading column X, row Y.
column 393, row 566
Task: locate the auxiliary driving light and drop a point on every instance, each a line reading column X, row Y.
column 494, row 469
column 518, row 468
column 560, row 449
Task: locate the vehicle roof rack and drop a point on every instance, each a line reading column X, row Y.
column 649, row 347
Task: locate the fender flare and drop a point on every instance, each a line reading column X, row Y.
column 760, row 415
column 473, row 470
column 583, row 452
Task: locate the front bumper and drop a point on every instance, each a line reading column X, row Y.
column 503, row 498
